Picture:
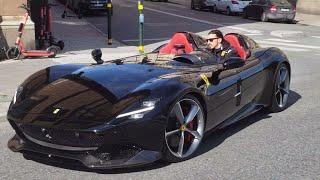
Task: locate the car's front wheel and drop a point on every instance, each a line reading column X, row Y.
column 281, row 89
column 185, row 129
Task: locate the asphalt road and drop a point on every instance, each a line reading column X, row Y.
column 284, row 145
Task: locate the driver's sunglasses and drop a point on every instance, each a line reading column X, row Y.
column 211, row 39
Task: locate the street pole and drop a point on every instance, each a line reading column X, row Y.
column 109, row 6
column 141, row 21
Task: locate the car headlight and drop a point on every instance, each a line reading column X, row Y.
column 17, row 94
column 147, row 106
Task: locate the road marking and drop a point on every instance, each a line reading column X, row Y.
column 204, row 21
column 151, row 39
column 287, row 48
column 318, row 37
column 281, row 40
column 289, row 45
column 286, row 33
column 253, row 34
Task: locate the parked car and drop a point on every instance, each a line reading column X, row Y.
column 230, row 6
column 87, row 6
column 202, row 4
column 270, row 10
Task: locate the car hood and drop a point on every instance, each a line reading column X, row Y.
column 87, row 97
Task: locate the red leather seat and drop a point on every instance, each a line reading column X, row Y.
column 178, row 39
column 234, row 42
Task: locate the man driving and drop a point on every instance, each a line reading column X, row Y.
column 220, row 48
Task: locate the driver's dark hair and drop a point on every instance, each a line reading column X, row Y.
column 217, row 32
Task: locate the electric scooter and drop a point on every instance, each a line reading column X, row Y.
column 19, row 49
column 46, row 30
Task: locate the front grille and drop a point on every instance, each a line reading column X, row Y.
column 63, row 137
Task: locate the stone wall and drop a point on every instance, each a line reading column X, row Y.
column 308, row 6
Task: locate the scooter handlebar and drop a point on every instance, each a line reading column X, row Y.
column 25, row 7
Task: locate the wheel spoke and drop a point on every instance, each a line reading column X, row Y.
column 194, row 111
column 195, row 134
column 172, row 132
column 178, row 112
column 283, row 75
column 181, row 143
column 284, row 91
column 278, row 91
column 280, row 99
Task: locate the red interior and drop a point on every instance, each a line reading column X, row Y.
column 177, row 39
column 234, row 42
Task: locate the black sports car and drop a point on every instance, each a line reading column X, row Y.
column 136, row 110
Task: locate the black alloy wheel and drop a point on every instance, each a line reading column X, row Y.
column 281, row 89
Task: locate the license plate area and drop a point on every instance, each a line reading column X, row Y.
column 285, row 10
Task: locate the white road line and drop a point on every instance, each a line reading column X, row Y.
column 289, row 45
column 247, row 34
column 316, row 37
column 152, row 39
column 204, row 21
column 280, row 40
column 288, row 48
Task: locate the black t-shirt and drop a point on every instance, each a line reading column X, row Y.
column 225, row 52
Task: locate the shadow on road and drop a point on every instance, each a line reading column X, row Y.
column 215, row 138
column 211, row 141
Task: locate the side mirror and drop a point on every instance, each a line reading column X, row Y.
column 96, row 55
column 234, row 62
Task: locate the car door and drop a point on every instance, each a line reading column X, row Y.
column 219, row 5
column 250, row 8
column 222, row 97
column 252, row 79
column 262, row 4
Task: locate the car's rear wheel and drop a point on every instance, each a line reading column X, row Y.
column 264, row 17
column 245, row 14
column 229, row 13
column 281, row 89
column 214, row 9
column 192, row 4
column 185, row 129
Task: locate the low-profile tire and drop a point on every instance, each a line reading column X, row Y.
column 245, row 14
column 281, row 89
column 264, row 17
column 214, row 9
column 185, row 129
column 192, row 5
column 13, row 53
column 228, row 11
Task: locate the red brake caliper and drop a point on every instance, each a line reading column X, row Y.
column 190, row 126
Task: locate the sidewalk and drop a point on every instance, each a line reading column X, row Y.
column 308, row 19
